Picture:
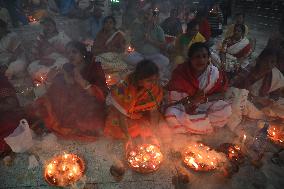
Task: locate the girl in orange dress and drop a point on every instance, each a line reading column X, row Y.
column 134, row 103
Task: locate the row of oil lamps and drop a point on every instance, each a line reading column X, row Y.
column 66, row 169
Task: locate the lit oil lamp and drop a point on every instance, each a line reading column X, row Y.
column 233, row 152
column 145, row 158
column 276, row 135
column 64, row 170
column 130, row 49
column 200, row 157
column 32, row 19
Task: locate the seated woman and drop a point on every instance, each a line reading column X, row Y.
column 74, row 104
column 235, row 50
column 184, row 41
column 49, row 50
column 109, row 47
column 195, row 93
column 134, row 103
column 10, row 112
column 12, row 58
column 264, row 82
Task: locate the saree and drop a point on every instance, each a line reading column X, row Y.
column 207, row 115
column 112, row 62
column 237, row 55
column 126, row 100
column 271, row 82
column 70, row 111
column 52, row 48
column 9, row 118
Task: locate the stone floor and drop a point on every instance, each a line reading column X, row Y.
column 100, row 155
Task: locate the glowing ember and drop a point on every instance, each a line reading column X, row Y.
column 276, row 134
column 145, row 158
column 200, row 157
column 64, row 170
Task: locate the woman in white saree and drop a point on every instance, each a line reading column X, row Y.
column 109, row 47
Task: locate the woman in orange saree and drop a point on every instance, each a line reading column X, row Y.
column 134, row 103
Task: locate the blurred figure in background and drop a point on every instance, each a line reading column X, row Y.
column 16, row 13
column 172, row 25
column 96, row 22
column 215, row 18
column 184, row 41
column 148, row 39
column 49, row 50
column 204, row 25
column 239, row 19
column 12, row 57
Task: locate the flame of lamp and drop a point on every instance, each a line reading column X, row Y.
column 64, row 170
column 200, row 157
column 145, row 158
column 276, row 135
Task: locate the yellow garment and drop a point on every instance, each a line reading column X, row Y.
column 182, row 53
column 197, row 38
column 230, row 31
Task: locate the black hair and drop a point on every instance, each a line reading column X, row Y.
column 144, row 69
column 81, row 47
column 109, row 18
column 242, row 27
column 3, row 24
column 196, row 47
column 193, row 23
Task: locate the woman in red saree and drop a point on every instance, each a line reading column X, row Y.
column 202, row 85
column 10, row 112
column 134, row 103
column 74, row 104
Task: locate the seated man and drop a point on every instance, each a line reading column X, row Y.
column 12, row 57
column 195, row 95
column 48, row 51
column 184, row 41
column 148, row 40
column 172, row 25
column 239, row 19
